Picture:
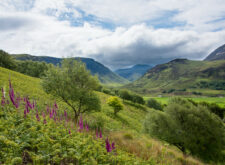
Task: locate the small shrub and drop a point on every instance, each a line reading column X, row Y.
column 114, row 102
column 153, row 103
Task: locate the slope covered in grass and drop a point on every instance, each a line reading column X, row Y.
column 182, row 76
column 125, row 130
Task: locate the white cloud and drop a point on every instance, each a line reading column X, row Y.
column 29, row 28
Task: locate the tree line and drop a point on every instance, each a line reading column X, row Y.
column 30, row 68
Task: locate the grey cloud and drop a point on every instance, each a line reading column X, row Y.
column 13, row 23
column 143, row 53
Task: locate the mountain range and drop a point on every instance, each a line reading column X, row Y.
column 183, row 76
column 218, row 54
column 134, row 72
column 105, row 75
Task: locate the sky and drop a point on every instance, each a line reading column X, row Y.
column 117, row 33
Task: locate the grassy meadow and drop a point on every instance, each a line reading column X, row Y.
column 218, row 100
column 125, row 130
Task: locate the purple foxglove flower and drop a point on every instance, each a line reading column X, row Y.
column 65, row 114
column 47, row 109
column 113, row 146
column 25, row 113
column 107, row 145
column 3, row 101
column 37, row 117
column 100, row 134
column 56, row 106
column 27, row 108
column 81, row 124
column 87, row 127
column 3, row 92
column 69, row 131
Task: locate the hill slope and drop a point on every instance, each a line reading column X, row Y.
column 182, row 76
column 105, row 75
column 218, row 54
column 125, row 129
column 134, row 72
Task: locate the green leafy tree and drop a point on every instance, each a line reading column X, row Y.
column 137, row 99
column 74, row 85
column 6, row 60
column 125, row 94
column 191, row 128
column 153, row 103
column 114, row 102
column 32, row 68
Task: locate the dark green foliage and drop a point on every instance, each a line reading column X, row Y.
column 138, row 99
column 153, row 103
column 107, row 91
column 125, row 94
column 217, row 85
column 74, row 85
column 6, row 61
column 191, row 128
column 213, row 107
column 32, row 68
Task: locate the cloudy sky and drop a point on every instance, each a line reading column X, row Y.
column 117, row 33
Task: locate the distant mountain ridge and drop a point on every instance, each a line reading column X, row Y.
column 218, row 54
column 182, row 76
column 105, row 75
column 134, row 72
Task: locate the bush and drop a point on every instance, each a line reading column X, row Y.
column 114, row 102
column 138, row 99
column 152, row 103
column 191, row 128
column 213, row 107
column 125, row 94
column 6, row 61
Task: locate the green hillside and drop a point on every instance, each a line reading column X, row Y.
column 183, row 77
column 105, row 75
column 132, row 146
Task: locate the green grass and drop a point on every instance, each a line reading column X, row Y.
column 218, row 100
column 128, row 121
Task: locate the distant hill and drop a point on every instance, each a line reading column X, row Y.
column 105, row 75
column 182, row 76
column 134, row 72
column 218, row 54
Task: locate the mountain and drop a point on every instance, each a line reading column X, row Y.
column 134, row 72
column 218, row 54
column 105, row 75
column 182, row 76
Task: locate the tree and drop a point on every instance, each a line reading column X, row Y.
column 153, row 103
column 191, row 128
column 125, row 95
column 32, row 68
column 137, row 99
column 114, row 102
column 6, row 60
column 74, row 85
